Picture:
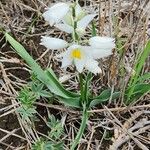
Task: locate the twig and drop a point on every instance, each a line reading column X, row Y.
column 120, row 109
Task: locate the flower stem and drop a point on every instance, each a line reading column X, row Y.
column 83, row 98
column 75, row 35
column 82, row 128
column 81, row 87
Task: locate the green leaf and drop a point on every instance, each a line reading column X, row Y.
column 144, row 77
column 139, row 90
column 93, row 29
column 138, row 67
column 27, row 97
column 141, row 61
column 103, row 97
column 38, row 88
column 50, row 81
column 26, row 112
column 86, row 87
column 45, row 93
column 51, row 75
column 43, row 144
column 56, row 127
column 72, row 102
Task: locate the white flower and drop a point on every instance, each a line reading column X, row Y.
column 80, row 56
column 53, row 43
column 101, row 46
column 67, row 24
column 56, row 13
column 79, row 12
column 81, row 25
column 65, row 27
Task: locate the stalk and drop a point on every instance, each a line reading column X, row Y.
column 82, row 92
column 81, row 87
column 82, row 128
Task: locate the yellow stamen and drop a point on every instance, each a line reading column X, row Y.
column 76, row 53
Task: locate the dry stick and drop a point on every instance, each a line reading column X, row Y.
column 43, row 55
column 12, row 60
column 99, row 14
column 124, row 138
column 102, row 138
column 90, row 140
column 6, row 79
column 8, row 112
column 92, row 111
column 119, row 109
column 58, row 107
column 127, row 133
column 127, row 137
column 21, row 148
column 13, row 134
column 110, row 17
column 144, row 139
column 6, row 93
column 101, row 20
column 18, row 79
column 46, row 136
column 143, row 122
column 133, row 117
column 6, row 136
column 8, row 145
column 21, row 68
column 44, row 5
column 8, row 107
column 4, row 12
column 29, row 8
column 132, row 104
column 140, row 145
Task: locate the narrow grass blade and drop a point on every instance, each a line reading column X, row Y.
column 138, row 90
column 144, row 77
column 138, row 67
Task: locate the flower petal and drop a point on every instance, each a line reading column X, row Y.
column 78, row 9
column 55, row 13
column 74, row 46
column 79, row 64
column 83, row 23
column 92, row 66
column 66, row 61
column 64, row 27
column 53, row 43
column 102, row 42
column 80, row 13
column 100, row 53
column 68, row 19
column 87, row 50
column 101, row 46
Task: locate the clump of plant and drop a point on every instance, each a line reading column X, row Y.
column 84, row 56
column 53, row 142
column 28, row 95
